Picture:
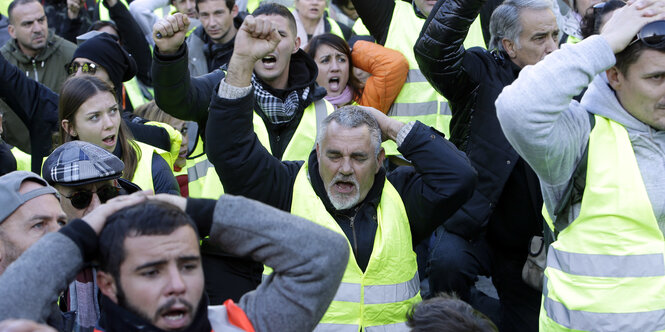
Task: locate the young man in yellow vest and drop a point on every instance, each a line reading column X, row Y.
column 342, row 185
column 606, row 268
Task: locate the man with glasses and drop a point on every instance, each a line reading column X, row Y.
column 600, row 162
column 86, row 176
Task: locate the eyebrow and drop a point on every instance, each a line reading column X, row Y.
column 162, row 262
column 99, row 111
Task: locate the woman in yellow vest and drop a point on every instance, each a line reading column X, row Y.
column 336, row 63
column 89, row 111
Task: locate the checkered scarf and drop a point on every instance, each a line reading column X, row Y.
column 277, row 110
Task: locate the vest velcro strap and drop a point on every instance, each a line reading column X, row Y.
column 414, row 109
column 397, row 327
column 199, row 170
column 379, row 294
column 596, row 265
column 326, row 327
column 348, row 292
column 592, row 321
column 415, row 76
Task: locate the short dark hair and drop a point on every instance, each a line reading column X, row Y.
column 590, row 24
column 148, row 218
column 13, row 5
column 447, row 313
column 630, row 54
column 229, row 4
column 271, row 8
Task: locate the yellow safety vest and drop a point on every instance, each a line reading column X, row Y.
column 23, row 160
column 335, row 29
column 136, row 96
column 379, row 298
column 175, row 138
column 104, row 12
column 252, row 5
column 203, row 179
column 606, row 270
column 143, row 174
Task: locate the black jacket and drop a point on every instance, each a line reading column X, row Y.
column 440, row 182
column 377, row 15
column 189, row 98
column 508, row 194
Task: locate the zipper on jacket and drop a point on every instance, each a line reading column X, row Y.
column 34, row 69
column 355, row 241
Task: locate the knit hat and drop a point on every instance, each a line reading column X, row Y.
column 11, row 199
column 75, row 163
column 104, row 50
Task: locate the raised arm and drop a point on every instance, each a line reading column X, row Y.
column 388, row 69
column 143, row 12
column 133, row 39
column 308, row 262
column 440, row 52
column 376, row 15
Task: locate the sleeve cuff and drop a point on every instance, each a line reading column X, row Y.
column 201, row 210
column 228, row 91
column 83, row 236
column 403, row 132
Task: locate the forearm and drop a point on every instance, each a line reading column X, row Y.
column 308, row 262
column 443, row 180
column 133, row 40
column 536, row 113
column 143, row 13
column 440, row 51
column 388, row 69
column 376, row 15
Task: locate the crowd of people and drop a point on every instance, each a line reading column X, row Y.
column 353, row 165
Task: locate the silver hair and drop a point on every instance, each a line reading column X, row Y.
column 505, row 21
column 353, row 116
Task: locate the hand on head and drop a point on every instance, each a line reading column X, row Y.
column 389, row 126
column 627, row 21
column 170, row 32
column 97, row 218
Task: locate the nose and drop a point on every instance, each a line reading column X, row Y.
column 335, row 66
column 552, row 45
column 177, row 284
column 346, row 168
column 108, row 121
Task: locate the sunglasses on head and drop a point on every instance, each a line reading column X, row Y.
column 651, row 35
column 82, row 198
column 86, row 68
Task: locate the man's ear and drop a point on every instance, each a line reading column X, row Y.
column 234, row 11
column 296, row 45
column 107, row 285
column 318, row 152
column 380, row 158
column 614, row 77
column 509, row 46
column 12, row 31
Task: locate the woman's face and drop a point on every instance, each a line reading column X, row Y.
column 310, row 9
column 333, row 69
column 97, row 121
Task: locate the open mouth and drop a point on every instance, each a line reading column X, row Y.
column 109, row 140
column 269, row 59
column 333, row 83
column 175, row 318
column 344, row 187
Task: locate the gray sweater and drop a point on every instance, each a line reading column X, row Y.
column 550, row 130
column 308, row 262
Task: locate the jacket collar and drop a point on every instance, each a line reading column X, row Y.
column 115, row 318
column 372, row 199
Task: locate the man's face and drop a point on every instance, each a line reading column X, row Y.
column 274, row 68
column 539, row 37
column 98, row 193
column 217, row 20
column 347, row 164
column 29, row 27
column 310, row 9
column 161, row 278
column 425, row 6
column 31, row 221
column 349, row 10
column 187, row 7
column 641, row 90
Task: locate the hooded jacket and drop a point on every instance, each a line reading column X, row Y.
column 48, row 67
column 551, row 132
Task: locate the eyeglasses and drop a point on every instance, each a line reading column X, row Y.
column 651, row 35
column 82, row 198
column 86, row 68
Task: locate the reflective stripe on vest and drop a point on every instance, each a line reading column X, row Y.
column 133, row 89
column 606, row 271
column 379, row 298
column 23, row 160
column 304, row 138
column 334, row 28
